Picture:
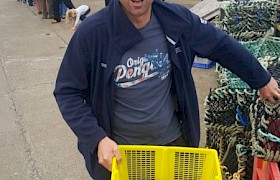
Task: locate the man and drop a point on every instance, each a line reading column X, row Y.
column 56, row 9
column 126, row 78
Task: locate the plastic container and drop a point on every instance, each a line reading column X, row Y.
column 203, row 63
column 166, row 163
column 265, row 170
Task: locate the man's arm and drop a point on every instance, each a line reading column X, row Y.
column 209, row 41
column 71, row 92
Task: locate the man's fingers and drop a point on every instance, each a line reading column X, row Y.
column 117, row 154
column 270, row 91
column 106, row 162
column 277, row 95
column 261, row 97
column 107, row 150
column 271, row 99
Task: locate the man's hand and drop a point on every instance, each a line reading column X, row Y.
column 271, row 91
column 107, row 149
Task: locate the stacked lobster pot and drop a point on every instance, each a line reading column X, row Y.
column 264, row 116
column 247, row 20
column 228, row 125
column 265, row 122
column 240, row 126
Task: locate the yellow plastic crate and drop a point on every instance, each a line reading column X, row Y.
column 166, row 163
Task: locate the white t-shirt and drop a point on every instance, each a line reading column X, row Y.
column 80, row 11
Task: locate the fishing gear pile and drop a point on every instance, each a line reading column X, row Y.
column 247, row 20
column 238, row 125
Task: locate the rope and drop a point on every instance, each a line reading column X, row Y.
column 270, row 136
column 241, row 152
column 247, row 20
column 236, row 118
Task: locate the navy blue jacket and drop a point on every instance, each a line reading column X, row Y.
column 85, row 86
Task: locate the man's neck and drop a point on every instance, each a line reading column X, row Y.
column 140, row 21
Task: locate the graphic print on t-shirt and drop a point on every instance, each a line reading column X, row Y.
column 139, row 69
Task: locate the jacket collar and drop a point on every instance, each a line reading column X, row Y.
column 172, row 23
column 125, row 35
column 121, row 30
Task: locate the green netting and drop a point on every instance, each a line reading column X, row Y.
column 267, row 50
column 247, row 20
column 263, row 47
column 228, row 79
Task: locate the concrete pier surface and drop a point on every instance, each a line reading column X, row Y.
column 35, row 141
